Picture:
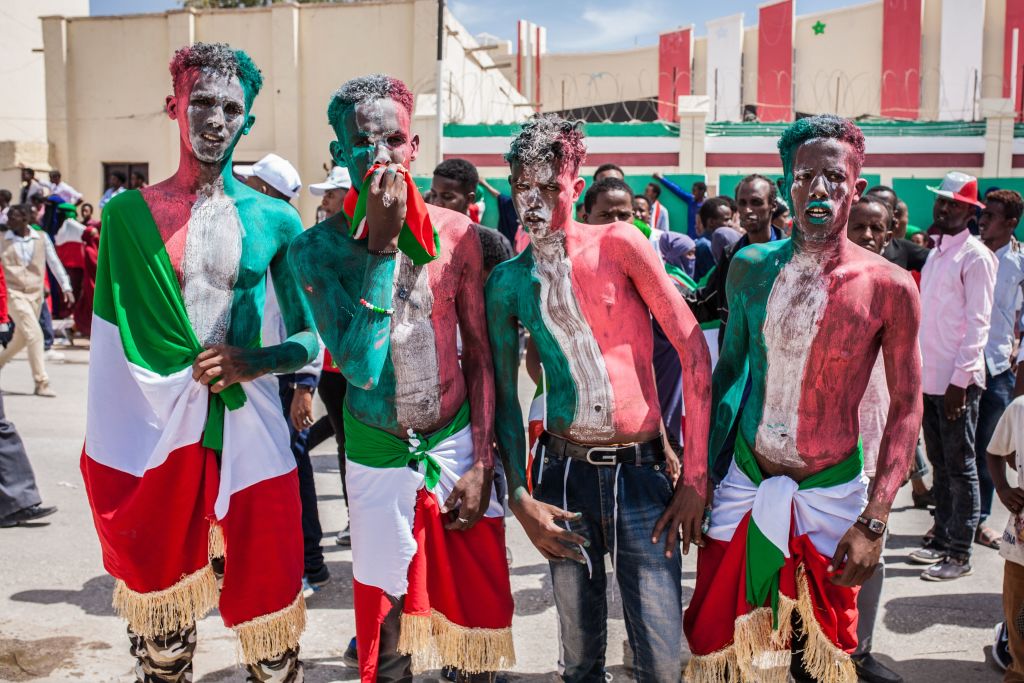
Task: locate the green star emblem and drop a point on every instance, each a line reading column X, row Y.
column 819, row 28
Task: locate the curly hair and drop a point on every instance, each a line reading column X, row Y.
column 367, row 89
column 219, row 58
column 812, row 128
column 547, row 138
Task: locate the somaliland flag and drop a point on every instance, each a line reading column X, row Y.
column 175, row 472
column 418, row 239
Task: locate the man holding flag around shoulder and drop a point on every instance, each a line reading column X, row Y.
column 389, row 280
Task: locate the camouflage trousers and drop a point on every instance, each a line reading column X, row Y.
column 168, row 659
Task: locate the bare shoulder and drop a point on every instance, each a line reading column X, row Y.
column 884, row 274
column 322, row 239
column 451, row 225
column 510, row 275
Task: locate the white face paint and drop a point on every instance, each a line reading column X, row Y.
column 795, row 307
column 543, row 197
column 215, row 116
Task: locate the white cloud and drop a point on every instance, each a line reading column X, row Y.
column 609, row 28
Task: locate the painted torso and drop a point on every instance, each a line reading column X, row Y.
column 593, row 333
column 221, row 244
column 422, row 384
column 814, row 334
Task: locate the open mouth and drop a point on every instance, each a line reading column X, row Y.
column 210, row 137
column 818, row 213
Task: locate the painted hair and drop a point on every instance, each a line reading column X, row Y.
column 219, row 58
column 1013, row 205
column 813, row 128
column 547, row 138
column 610, row 184
column 367, row 89
column 460, row 171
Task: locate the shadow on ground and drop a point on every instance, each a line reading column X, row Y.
column 93, row 598
column 970, row 610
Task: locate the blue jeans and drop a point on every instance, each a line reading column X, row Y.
column 650, row 584
column 313, row 554
column 997, row 395
column 950, row 446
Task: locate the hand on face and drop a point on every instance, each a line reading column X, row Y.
column 211, row 114
column 386, row 207
column 375, row 132
column 824, row 184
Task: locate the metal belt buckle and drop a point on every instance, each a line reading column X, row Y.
column 608, row 459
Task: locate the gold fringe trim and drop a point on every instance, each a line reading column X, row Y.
column 215, row 544
column 435, row 642
column 762, row 654
column 270, row 635
column 161, row 612
column 822, row 659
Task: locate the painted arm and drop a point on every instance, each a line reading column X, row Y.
column 476, row 349
column 686, row 509
column 509, row 429
column 684, row 332
column 902, row 356
column 301, row 346
column 730, row 376
column 359, row 339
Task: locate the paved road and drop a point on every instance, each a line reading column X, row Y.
column 56, row 623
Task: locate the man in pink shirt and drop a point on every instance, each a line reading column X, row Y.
column 957, row 285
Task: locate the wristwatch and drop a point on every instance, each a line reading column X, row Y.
column 875, row 526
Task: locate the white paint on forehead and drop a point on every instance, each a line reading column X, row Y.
column 531, row 201
column 797, row 301
column 213, row 251
column 595, row 406
column 414, row 348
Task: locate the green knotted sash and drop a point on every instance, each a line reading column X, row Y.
column 374, row 447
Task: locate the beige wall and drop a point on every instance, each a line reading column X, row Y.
column 304, row 51
column 598, row 77
column 846, row 68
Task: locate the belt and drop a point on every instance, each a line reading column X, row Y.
column 645, row 453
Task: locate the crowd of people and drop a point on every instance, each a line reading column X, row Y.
column 852, row 351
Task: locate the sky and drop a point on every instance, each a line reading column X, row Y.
column 581, row 26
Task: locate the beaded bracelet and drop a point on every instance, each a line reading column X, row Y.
column 383, row 252
column 376, row 309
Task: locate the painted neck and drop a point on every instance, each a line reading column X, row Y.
column 827, row 249
column 194, row 175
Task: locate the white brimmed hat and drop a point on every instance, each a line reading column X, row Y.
column 960, row 187
column 337, row 179
column 274, row 171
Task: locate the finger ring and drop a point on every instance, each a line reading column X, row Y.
column 463, row 520
column 387, row 200
column 308, row 421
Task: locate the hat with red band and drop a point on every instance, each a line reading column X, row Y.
column 959, row 187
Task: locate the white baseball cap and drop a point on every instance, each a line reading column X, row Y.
column 274, row 171
column 337, row 179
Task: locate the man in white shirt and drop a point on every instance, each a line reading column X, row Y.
column 1003, row 209
column 115, row 187
column 25, row 254
column 63, row 190
column 957, row 285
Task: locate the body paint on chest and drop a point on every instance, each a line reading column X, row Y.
column 793, row 315
column 563, row 318
column 414, row 347
column 210, row 263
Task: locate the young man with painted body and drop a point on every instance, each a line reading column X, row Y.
column 957, row 285
column 794, row 527
column 586, row 295
column 186, row 458
column 427, row 528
